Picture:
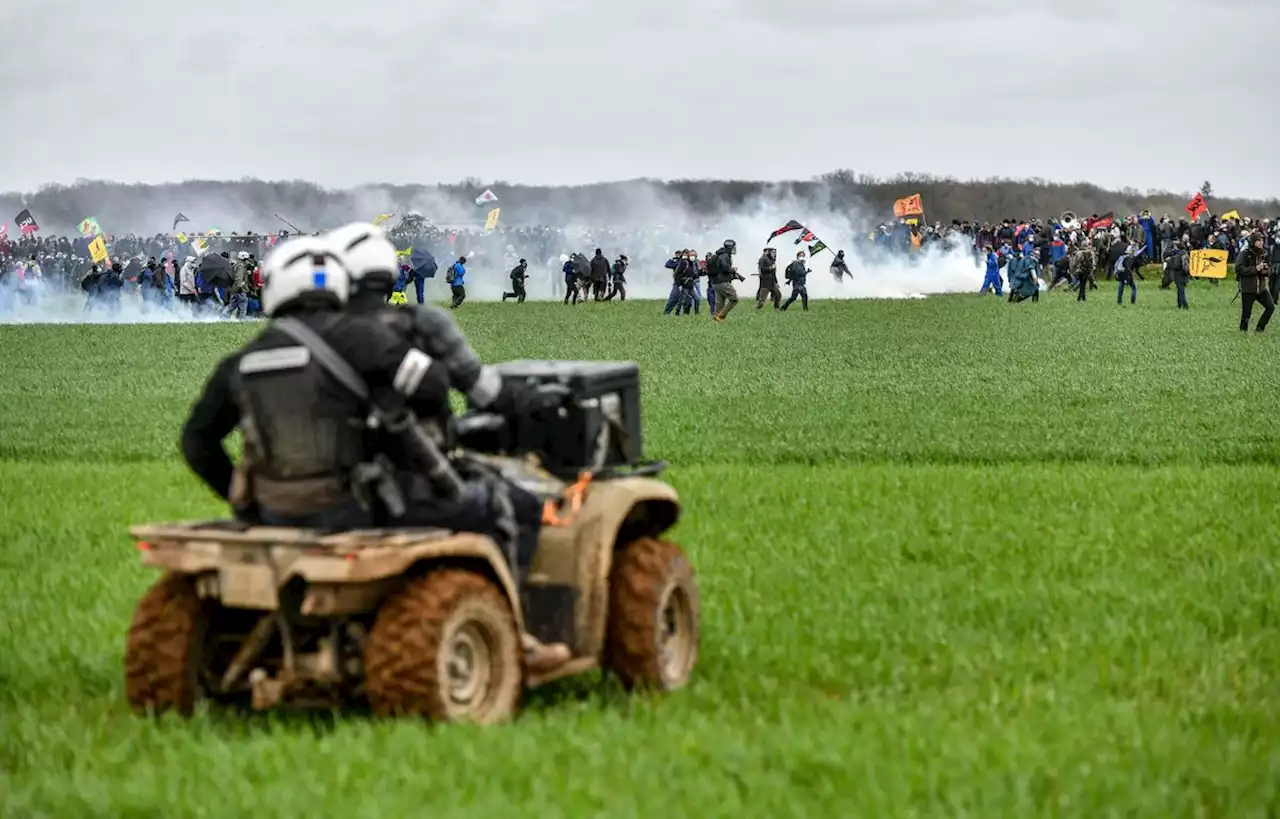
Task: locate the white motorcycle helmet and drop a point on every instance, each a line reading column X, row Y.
column 367, row 254
column 302, row 266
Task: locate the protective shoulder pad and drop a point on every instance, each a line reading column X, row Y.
column 274, row 360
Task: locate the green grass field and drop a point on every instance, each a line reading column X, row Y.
column 957, row 557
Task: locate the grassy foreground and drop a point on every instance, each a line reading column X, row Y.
column 957, row 557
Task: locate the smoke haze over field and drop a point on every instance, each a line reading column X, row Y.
column 571, row 91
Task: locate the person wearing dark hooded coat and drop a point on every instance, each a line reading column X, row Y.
column 839, row 267
column 768, row 267
column 599, row 275
column 1252, row 274
column 1177, row 267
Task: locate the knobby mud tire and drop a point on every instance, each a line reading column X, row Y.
column 647, row 575
column 405, row 673
column 163, row 647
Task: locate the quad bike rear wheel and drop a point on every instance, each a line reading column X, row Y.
column 445, row 647
column 651, row 640
column 164, row 647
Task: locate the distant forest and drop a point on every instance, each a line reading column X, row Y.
column 251, row 204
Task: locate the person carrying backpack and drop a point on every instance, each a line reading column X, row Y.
column 721, row 274
column 456, row 278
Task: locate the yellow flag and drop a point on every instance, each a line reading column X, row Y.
column 182, row 238
column 492, row 221
column 382, row 217
column 1232, row 214
column 404, row 252
column 1209, row 264
column 98, row 250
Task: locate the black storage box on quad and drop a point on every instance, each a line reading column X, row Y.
column 599, row 425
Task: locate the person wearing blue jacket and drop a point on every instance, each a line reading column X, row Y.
column 1149, row 233
column 1023, row 282
column 992, row 279
column 457, row 279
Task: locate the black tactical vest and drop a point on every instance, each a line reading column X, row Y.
column 303, row 430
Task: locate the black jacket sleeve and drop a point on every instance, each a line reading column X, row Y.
column 213, row 417
column 399, row 373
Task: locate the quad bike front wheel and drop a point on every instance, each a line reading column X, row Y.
column 164, row 647
column 445, row 647
column 651, row 640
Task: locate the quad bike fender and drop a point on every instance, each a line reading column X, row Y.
column 342, row 573
column 579, row 556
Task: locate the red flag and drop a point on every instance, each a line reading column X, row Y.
column 787, row 228
column 1103, row 221
column 1197, row 207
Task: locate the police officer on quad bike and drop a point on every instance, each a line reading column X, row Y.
column 436, row 491
column 305, row 441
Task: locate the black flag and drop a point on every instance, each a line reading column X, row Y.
column 787, row 228
column 26, row 222
column 178, row 219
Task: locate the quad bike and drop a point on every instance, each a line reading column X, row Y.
column 429, row 622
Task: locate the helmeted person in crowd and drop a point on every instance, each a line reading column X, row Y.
column 518, row 275
column 1253, row 276
column 618, row 278
column 485, row 503
column 839, row 267
column 599, row 275
column 721, row 274
column 305, row 426
column 796, row 274
column 1177, row 268
column 457, row 281
column 768, row 273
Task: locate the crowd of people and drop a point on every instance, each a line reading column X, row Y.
column 219, row 274
column 1038, row 256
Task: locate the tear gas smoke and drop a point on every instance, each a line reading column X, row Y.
column 644, row 220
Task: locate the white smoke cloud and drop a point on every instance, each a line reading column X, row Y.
column 669, row 224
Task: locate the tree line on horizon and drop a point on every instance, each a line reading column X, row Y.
column 252, row 204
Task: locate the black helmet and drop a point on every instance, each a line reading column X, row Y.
column 730, row 245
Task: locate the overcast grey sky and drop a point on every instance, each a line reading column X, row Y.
column 1162, row 94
